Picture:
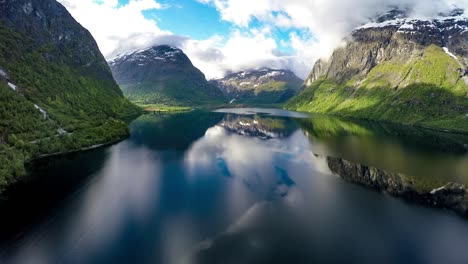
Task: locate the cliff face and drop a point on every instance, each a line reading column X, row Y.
column 396, row 69
column 163, row 74
column 266, row 86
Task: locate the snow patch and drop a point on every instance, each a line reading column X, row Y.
column 406, row 25
column 450, row 53
column 12, row 86
column 274, row 73
column 61, row 131
column 232, row 101
column 438, row 190
column 43, row 112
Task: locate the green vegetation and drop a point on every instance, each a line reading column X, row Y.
column 161, row 108
column 424, row 91
column 171, row 92
column 273, row 92
column 82, row 100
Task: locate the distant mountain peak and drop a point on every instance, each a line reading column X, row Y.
column 163, row 74
column 263, row 85
column 400, row 18
column 154, row 53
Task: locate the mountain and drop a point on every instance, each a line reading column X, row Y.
column 56, row 90
column 397, row 69
column 163, row 75
column 265, row 86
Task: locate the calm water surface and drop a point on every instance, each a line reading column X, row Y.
column 237, row 186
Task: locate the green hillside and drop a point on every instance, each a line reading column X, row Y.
column 426, row 90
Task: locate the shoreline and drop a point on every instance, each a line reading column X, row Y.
column 353, row 118
column 63, row 153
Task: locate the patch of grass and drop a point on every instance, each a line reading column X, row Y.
column 161, row 108
column 172, row 92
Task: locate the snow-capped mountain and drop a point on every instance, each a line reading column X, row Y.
column 162, row 74
column 260, row 86
column 163, row 53
column 446, row 30
column 396, row 68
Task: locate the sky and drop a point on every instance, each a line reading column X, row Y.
column 223, row 36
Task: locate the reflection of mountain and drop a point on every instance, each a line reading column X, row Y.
column 258, row 126
column 325, row 127
column 45, row 188
column 394, row 148
column 426, row 190
column 172, row 131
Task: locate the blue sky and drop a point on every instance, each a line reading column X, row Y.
column 201, row 21
column 189, row 18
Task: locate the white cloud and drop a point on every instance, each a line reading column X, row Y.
column 325, row 22
column 322, row 25
column 111, row 25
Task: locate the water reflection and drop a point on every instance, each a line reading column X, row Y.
column 248, row 186
column 428, row 155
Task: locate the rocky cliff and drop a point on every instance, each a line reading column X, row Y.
column 163, row 75
column 397, row 69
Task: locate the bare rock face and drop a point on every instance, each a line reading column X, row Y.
column 391, row 36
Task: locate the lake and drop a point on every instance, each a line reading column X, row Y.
column 246, row 186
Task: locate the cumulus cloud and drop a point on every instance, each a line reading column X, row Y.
column 112, row 25
column 316, row 26
column 327, row 22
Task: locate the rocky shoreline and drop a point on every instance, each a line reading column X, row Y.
column 452, row 196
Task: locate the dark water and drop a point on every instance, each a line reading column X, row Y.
column 239, row 187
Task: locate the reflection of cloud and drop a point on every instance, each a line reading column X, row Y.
column 269, row 169
column 247, row 158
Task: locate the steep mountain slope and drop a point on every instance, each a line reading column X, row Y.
column 57, row 92
column 265, row 86
column 396, row 69
column 164, row 75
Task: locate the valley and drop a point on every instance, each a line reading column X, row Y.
column 221, row 131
